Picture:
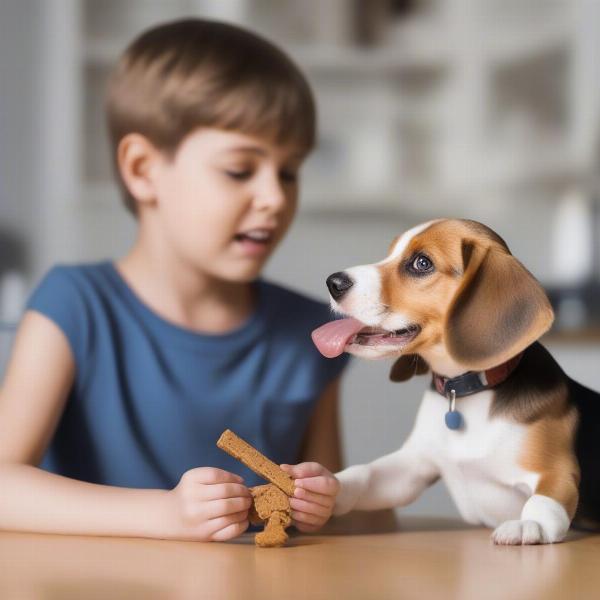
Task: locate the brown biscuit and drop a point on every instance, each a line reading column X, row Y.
column 253, row 516
column 268, row 499
column 272, row 507
column 274, row 534
column 253, row 459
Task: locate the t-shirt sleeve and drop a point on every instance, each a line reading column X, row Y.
column 60, row 296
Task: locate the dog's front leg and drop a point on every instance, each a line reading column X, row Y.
column 546, row 516
column 392, row 480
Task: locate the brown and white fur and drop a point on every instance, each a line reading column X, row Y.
column 525, row 461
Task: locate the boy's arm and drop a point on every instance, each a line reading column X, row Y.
column 322, row 440
column 32, row 399
column 34, row 391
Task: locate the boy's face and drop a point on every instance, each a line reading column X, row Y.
column 225, row 200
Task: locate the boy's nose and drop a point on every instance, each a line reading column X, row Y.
column 272, row 196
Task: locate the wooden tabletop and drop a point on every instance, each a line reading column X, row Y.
column 359, row 559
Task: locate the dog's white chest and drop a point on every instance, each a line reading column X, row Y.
column 480, row 462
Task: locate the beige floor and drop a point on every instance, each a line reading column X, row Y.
column 419, row 558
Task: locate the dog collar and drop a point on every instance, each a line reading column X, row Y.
column 471, row 383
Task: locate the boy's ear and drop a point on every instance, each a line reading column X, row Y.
column 137, row 159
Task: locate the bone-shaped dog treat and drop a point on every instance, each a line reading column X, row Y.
column 272, row 507
column 270, row 503
column 253, row 459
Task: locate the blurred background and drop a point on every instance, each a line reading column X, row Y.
column 485, row 109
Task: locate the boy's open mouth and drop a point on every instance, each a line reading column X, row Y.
column 334, row 337
column 258, row 236
column 255, row 242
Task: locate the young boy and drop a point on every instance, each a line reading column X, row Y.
column 123, row 375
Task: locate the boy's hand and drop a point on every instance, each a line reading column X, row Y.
column 314, row 498
column 208, row 505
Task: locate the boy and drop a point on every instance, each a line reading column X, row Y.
column 124, row 374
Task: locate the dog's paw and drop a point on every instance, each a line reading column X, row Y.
column 512, row 533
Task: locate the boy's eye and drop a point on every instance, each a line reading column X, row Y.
column 240, row 175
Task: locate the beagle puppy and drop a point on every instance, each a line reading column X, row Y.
column 515, row 440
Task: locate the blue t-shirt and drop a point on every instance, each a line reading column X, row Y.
column 150, row 398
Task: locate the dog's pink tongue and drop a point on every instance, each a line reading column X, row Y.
column 332, row 337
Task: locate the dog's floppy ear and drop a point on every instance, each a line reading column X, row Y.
column 407, row 366
column 499, row 309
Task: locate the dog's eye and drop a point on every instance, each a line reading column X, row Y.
column 421, row 264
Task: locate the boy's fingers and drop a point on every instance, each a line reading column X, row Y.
column 328, row 486
column 230, row 531
column 211, row 475
column 225, row 490
column 307, row 469
column 229, row 506
column 224, row 521
column 326, row 497
column 307, row 518
column 320, row 499
column 310, row 507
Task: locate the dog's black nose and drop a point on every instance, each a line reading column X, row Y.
column 339, row 283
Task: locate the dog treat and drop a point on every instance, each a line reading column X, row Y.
column 272, row 507
column 270, row 502
column 253, row 459
column 274, row 534
column 268, row 499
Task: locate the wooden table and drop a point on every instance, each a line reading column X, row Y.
column 357, row 559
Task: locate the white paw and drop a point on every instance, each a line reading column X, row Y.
column 519, row 532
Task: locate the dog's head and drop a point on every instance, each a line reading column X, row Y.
column 449, row 292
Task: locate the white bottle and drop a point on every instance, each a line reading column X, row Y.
column 572, row 255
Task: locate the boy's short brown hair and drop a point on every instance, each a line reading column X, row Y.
column 191, row 73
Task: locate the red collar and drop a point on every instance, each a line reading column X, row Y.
column 475, row 381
